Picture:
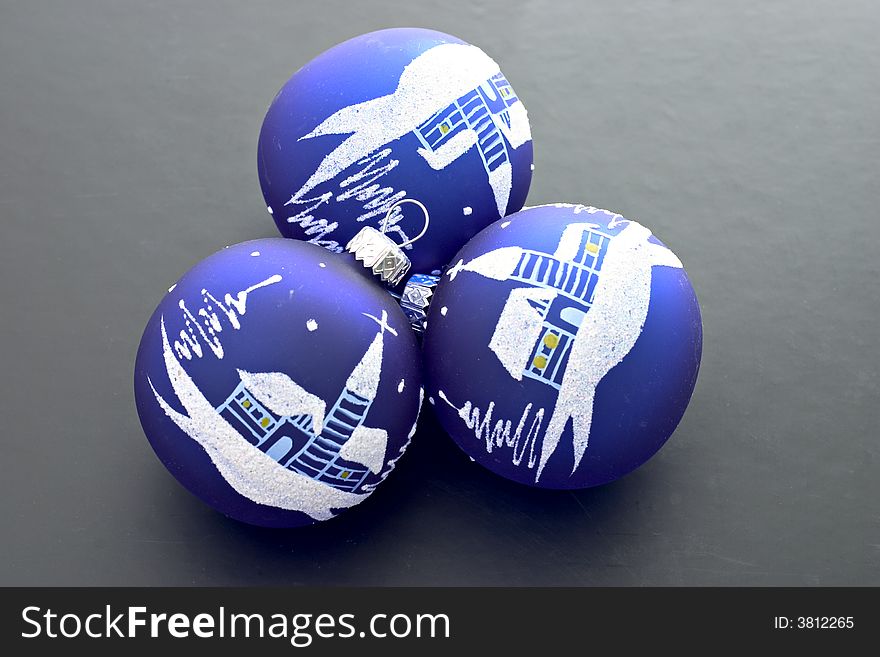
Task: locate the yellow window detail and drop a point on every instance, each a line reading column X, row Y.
column 593, row 248
column 246, row 403
column 345, row 474
column 264, row 422
column 540, row 362
column 444, row 128
column 551, row 340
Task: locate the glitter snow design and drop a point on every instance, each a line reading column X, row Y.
column 205, row 325
column 453, row 98
column 579, row 315
column 277, row 444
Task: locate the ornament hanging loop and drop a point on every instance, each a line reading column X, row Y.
column 384, row 225
column 382, row 255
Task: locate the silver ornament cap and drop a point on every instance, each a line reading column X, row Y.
column 416, row 299
column 382, row 255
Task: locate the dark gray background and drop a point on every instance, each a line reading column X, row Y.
column 745, row 134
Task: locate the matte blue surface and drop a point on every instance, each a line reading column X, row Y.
column 744, row 133
column 274, row 337
column 638, row 403
column 358, row 70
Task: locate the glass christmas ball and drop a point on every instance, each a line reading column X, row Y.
column 277, row 383
column 393, row 114
column 562, row 346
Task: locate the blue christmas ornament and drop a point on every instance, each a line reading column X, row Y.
column 277, row 383
column 562, row 346
column 394, row 114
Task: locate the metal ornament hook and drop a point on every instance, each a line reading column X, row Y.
column 384, row 223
